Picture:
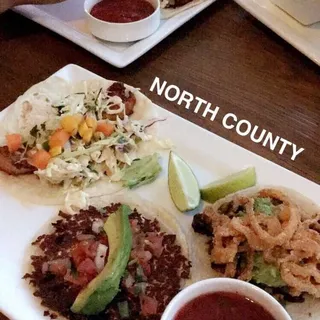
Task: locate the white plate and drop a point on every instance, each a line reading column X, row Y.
column 209, row 155
column 68, row 19
column 304, row 38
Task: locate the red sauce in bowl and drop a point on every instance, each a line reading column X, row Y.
column 223, row 306
column 122, row 11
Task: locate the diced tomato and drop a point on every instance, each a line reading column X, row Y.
column 79, row 280
column 59, row 138
column 143, row 258
column 149, row 305
column 78, row 255
column 14, row 142
column 146, row 268
column 106, row 128
column 40, row 159
column 92, row 249
column 142, row 255
column 87, row 267
column 83, row 250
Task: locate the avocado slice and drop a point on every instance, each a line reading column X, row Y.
column 101, row 290
column 142, row 171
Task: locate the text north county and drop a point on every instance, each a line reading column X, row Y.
column 230, row 121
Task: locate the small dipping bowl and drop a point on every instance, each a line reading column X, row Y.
column 239, row 287
column 123, row 32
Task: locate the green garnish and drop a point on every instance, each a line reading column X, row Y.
column 263, row 205
column 265, row 273
column 122, row 140
column 139, row 274
column 95, row 101
column 141, row 171
column 123, row 308
column 139, row 288
column 46, row 146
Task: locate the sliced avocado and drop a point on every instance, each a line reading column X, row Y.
column 142, row 171
column 101, row 290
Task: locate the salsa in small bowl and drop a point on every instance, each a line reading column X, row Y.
column 224, row 298
column 122, row 20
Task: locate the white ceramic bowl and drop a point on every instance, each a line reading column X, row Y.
column 226, row 285
column 123, row 32
column 305, row 11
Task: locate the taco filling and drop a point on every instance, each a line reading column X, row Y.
column 87, row 136
column 12, row 162
column 72, row 274
column 267, row 240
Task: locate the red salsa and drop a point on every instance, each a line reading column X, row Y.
column 122, row 11
column 223, row 306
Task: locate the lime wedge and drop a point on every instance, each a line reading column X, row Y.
column 232, row 183
column 183, row 185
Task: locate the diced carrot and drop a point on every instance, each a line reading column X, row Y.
column 14, row 142
column 106, row 128
column 59, row 138
column 40, row 159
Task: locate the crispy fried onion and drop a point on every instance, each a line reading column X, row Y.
column 283, row 237
column 301, row 278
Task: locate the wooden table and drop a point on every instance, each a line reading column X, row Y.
column 223, row 55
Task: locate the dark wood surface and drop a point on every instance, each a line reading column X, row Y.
column 223, row 55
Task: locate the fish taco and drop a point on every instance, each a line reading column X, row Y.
column 61, row 136
column 269, row 237
column 114, row 260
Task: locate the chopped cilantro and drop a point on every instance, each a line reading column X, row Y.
column 90, row 107
column 122, row 140
column 95, row 102
column 139, row 274
column 74, row 271
column 46, row 146
column 124, row 311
